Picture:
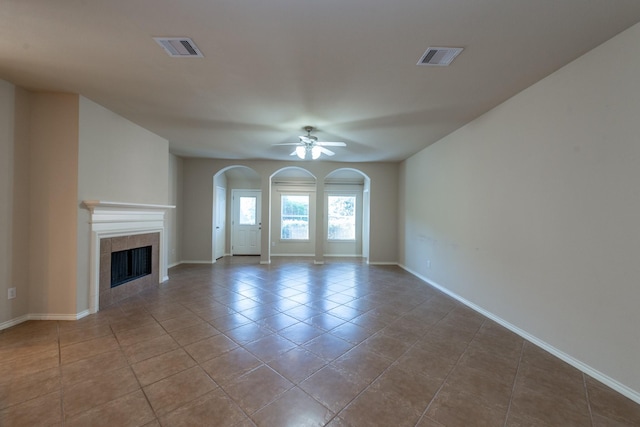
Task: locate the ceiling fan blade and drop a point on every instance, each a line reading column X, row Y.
column 325, row 151
column 294, row 153
column 331, row 144
column 287, row 143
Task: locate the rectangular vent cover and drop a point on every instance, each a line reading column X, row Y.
column 179, row 47
column 439, row 56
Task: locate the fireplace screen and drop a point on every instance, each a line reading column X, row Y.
column 129, row 265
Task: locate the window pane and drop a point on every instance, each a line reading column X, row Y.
column 247, row 210
column 295, row 217
column 341, row 217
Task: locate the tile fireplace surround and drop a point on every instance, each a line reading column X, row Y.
column 117, row 226
column 109, row 295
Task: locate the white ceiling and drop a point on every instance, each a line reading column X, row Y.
column 347, row 67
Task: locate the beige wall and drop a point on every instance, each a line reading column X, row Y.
column 14, row 201
column 198, row 210
column 119, row 161
column 174, row 216
column 38, row 215
column 53, row 181
column 531, row 212
column 55, row 151
column 8, row 309
column 198, row 202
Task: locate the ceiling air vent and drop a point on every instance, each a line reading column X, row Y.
column 439, row 56
column 179, row 47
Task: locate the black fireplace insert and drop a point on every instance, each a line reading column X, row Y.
column 129, row 265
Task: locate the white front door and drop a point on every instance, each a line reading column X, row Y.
column 247, row 224
column 220, row 222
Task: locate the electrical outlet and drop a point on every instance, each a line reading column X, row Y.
column 11, row 294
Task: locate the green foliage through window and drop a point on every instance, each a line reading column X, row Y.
column 295, row 217
column 341, row 215
column 247, row 210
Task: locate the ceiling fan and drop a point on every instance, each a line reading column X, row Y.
column 309, row 146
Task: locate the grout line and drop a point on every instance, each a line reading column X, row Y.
column 586, row 392
column 228, row 395
column 444, row 381
column 192, row 286
column 141, row 388
column 368, row 385
column 392, row 364
column 60, row 387
column 513, row 387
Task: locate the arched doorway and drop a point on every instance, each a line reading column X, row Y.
column 226, row 182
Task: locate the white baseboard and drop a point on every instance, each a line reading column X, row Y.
column 196, row 262
column 318, row 262
column 82, row 314
column 381, row 263
column 43, row 316
column 265, row 262
column 325, row 256
column 175, row 264
column 342, row 255
column 293, row 255
column 50, row 316
column 14, row 322
column 610, row 382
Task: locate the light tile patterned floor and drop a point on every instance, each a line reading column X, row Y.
column 291, row 344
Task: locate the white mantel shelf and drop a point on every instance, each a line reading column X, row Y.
column 122, row 212
column 93, row 204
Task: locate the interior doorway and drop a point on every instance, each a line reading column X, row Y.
column 225, row 181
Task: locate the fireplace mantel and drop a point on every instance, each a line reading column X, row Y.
column 91, row 204
column 104, row 211
column 113, row 219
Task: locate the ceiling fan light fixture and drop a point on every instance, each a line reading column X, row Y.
column 310, row 148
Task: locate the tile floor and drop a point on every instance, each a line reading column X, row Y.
column 291, row 344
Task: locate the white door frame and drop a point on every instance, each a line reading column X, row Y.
column 220, row 223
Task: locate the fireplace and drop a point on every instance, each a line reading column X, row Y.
column 128, row 265
column 124, row 227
